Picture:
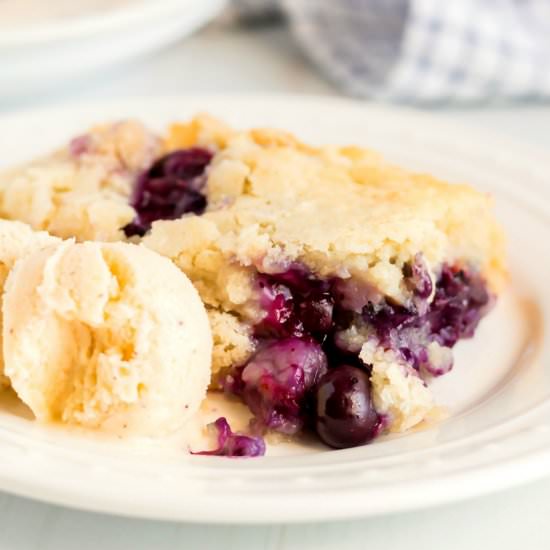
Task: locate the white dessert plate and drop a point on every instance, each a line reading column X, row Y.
column 498, row 395
column 45, row 45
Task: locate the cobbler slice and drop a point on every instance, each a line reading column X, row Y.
column 336, row 283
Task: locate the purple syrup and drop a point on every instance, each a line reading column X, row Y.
column 460, row 301
column 171, row 187
column 232, row 444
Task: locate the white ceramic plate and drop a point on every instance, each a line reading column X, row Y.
column 47, row 53
column 498, row 434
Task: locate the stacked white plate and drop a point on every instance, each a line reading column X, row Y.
column 44, row 44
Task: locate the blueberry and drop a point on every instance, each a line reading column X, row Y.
column 170, row 188
column 315, row 312
column 295, row 304
column 277, row 302
column 345, row 416
column 277, row 383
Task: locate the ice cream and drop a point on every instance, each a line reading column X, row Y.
column 109, row 336
column 16, row 241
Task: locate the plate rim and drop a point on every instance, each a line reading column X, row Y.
column 200, row 512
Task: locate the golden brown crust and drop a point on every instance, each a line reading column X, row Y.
column 340, row 208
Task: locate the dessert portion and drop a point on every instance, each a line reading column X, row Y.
column 336, row 284
column 106, row 335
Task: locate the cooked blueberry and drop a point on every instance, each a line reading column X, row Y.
column 345, row 416
column 277, row 302
column 294, row 304
column 300, row 280
column 185, row 164
column 386, row 317
column 315, row 312
column 277, row 382
column 170, row 188
column 459, row 303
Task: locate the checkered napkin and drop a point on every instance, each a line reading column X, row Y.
column 424, row 50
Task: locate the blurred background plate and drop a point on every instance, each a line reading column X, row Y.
column 54, row 48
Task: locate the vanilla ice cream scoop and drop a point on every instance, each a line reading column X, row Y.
column 16, row 241
column 106, row 335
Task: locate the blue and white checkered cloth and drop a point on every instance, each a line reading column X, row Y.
column 424, row 50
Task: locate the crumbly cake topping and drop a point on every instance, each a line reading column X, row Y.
column 340, row 211
column 81, row 190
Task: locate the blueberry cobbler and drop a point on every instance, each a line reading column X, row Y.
column 336, row 285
